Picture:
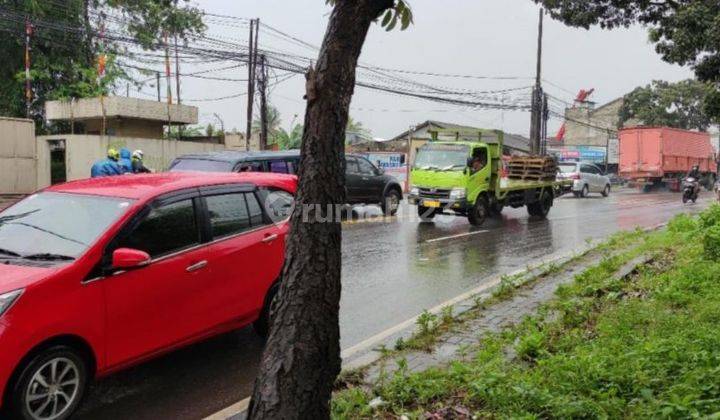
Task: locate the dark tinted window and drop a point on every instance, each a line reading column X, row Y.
column 278, row 167
column 201, row 165
column 228, row 214
column 351, row 166
column 278, row 203
column 292, row 167
column 165, row 230
column 256, row 215
column 366, row 167
column 585, row 169
column 251, row 166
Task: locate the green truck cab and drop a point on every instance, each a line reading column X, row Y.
column 464, row 178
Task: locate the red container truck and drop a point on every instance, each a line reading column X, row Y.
column 653, row 156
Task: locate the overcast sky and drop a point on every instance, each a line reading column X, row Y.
column 480, row 38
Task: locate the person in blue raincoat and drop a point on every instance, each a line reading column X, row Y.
column 108, row 166
column 126, row 160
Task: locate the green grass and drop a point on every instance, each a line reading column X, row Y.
column 647, row 346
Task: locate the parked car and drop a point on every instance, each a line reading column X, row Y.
column 101, row 274
column 587, row 178
column 365, row 183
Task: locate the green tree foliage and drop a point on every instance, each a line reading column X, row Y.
column 685, row 32
column 357, row 127
column 273, row 121
column 399, row 13
column 287, row 140
column 65, row 45
column 679, row 105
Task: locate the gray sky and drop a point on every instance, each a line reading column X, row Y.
column 480, row 38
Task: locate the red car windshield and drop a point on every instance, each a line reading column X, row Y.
column 56, row 226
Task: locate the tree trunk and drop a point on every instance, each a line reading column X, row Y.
column 302, row 356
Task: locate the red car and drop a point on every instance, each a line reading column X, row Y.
column 101, row 274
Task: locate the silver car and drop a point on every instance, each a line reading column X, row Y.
column 587, row 178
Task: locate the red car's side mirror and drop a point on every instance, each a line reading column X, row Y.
column 126, row 258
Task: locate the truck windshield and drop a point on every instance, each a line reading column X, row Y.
column 201, row 165
column 56, row 226
column 442, row 157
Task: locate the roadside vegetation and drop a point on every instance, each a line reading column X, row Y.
column 644, row 345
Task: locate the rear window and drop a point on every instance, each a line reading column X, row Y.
column 201, row 165
column 568, row 169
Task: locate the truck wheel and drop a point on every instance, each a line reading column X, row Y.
column 479, row 212
column 495, row 209
column 426, row 214
column 541, row 208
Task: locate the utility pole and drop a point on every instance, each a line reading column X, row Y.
column 28, row 85
column 607, row 150
column 177, row 72
column 177, row 63
column 545, row 112
column 262, row 82
column 177, row 80
column 537, row 95
column 252, row 49
column 169, row 81
column 157, row 82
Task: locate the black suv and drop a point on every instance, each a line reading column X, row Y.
column 365, row 183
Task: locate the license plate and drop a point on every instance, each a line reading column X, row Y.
column 431, row 203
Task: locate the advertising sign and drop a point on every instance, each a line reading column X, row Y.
column 394, row 164
column 594, row 154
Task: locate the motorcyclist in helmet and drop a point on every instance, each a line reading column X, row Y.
column 695, row 174
column 138, row 167
column 108, row 166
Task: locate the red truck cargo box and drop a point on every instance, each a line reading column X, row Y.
column 650, row 152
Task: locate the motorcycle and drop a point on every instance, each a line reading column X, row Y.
column 691, row 187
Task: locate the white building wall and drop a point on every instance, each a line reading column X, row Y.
column 82, row 151
column 18, row 169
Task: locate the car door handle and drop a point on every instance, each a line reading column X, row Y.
column 269, row 238
column 197, row 266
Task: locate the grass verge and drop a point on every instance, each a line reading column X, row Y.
column 647, row 345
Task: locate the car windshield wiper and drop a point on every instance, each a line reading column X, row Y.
column 8, row 252
column 48, row 257
column 17, row 216
column 451, row 167
column 48, row 232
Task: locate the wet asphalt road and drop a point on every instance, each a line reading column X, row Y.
column 391, row 272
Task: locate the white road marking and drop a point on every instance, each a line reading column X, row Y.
column 228, row 412
column 461, row 235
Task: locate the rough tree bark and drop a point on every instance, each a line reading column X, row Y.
column 302, row 356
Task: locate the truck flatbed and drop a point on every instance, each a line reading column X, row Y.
column 507, row 185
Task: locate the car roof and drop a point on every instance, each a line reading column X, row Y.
column 232, row 156
column 148, row 186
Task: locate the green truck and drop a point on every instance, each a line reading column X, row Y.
column 464, row 178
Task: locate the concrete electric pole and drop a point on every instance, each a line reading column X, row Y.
column 537, row 95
